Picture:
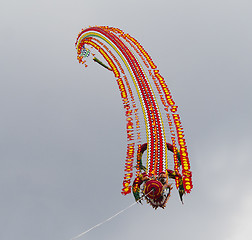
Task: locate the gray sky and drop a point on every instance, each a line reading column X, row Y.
column 62, row 129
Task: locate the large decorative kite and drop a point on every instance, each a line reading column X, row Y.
column 156, row 148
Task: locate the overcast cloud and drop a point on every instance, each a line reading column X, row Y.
column 62, row 129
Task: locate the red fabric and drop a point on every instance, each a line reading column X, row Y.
column 143, row 147
column 153, row 188
column 170, row 147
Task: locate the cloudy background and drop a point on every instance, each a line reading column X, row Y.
column 62, row 129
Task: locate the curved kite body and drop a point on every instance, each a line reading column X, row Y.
column 150, row 111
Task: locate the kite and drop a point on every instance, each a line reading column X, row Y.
column 156, row 152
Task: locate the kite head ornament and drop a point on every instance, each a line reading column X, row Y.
column 153, row 124
column 156, row 193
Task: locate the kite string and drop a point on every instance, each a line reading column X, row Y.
column 110, row 218
column 99, row 224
